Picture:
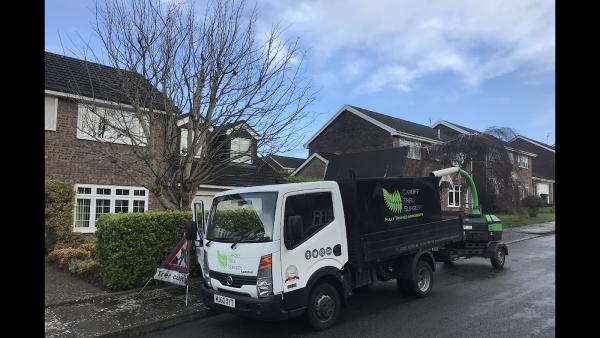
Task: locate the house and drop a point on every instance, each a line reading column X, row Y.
column 543, row 165
column 71, row 87
column 353, row 129
column 284, row 163
column 520, row 158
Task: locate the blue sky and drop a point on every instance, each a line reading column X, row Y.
column 475, row 63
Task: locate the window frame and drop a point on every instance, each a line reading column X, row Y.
column 520, row 162
column 414, row 148
column 239, row 153
column 454, row 191
column 93, row 196
column 55, row 112
column 320, row 228
column 84, row 111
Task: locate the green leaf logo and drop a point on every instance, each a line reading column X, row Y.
column 222, row 258
column 392, row 200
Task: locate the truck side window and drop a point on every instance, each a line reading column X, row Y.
column 316, row 210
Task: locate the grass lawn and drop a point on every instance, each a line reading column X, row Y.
column 518, row 219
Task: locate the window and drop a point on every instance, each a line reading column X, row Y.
column 414, row 150
column 511, row 157
column 523, row 161
column 50, row 107
column 454, row 196
column 102, row 207
column 316, row 210
column 82, row 213
column 524, row 190
column 110, row 125
column 183, row 145
column 458, row 160
column 240, row 150
column 121, row 206
column 122, row 192
column 138, row 206
column 93, row 201
column 84, row 190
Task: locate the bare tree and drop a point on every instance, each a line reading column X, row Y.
column 213, row 75
column 490, row 163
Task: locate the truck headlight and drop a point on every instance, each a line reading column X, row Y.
column 264, row 278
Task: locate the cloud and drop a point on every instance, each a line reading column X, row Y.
column 400, row 42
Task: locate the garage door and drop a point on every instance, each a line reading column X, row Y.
column 543, row 188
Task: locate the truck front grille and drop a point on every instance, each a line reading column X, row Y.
column 235, row 281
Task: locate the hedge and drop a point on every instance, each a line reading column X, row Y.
column 237, row 220
column 130, row 246
column 60, row 202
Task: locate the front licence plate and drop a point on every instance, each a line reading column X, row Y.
column 225, row 301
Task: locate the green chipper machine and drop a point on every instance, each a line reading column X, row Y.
column 482, row 232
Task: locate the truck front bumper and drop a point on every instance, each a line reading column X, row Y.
column 267, row 308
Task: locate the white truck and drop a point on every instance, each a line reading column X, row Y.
column 280, row 251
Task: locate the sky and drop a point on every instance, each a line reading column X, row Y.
column 476, row 63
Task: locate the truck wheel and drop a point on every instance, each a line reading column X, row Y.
column 423, row 283
column 324, row 306
column 499, row 258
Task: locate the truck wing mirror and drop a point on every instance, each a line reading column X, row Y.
column 191, row 230
column 293, row 231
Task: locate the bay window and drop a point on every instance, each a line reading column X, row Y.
column 93, row 201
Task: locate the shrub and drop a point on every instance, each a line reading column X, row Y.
column 130, row 246
column 533, row 204
column 60, row 201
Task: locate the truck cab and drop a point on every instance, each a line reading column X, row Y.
column 264, row 247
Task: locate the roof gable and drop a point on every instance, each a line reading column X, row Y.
column 536, row 143
column 287, row 161
column 393, row 125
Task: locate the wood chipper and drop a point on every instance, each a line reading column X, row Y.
column 482, row 232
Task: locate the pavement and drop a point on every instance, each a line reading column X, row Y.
column 76, row 308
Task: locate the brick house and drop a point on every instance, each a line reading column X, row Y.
column 283, row 163
column 543, row 166
column 520, row 157
column 375, row 131
column 71, row 85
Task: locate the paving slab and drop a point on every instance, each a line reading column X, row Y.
column 125, row 314
column 60, row 286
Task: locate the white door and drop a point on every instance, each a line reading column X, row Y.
column 543, row 188
column 198, row 217
column 323, row 241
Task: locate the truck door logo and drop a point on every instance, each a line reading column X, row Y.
column 307, row 254
column 392, row 200
column 291, row 274
column 315, row 253
column 222, row 258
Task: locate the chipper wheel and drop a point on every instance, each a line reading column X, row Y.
column 498, row 258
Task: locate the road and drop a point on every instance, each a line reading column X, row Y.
column 469, row 299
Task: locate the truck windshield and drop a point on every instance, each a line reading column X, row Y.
column 242, row 217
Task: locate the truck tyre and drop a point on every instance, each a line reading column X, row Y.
column 423, row 283
column 324, row 306
column 498, row 258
